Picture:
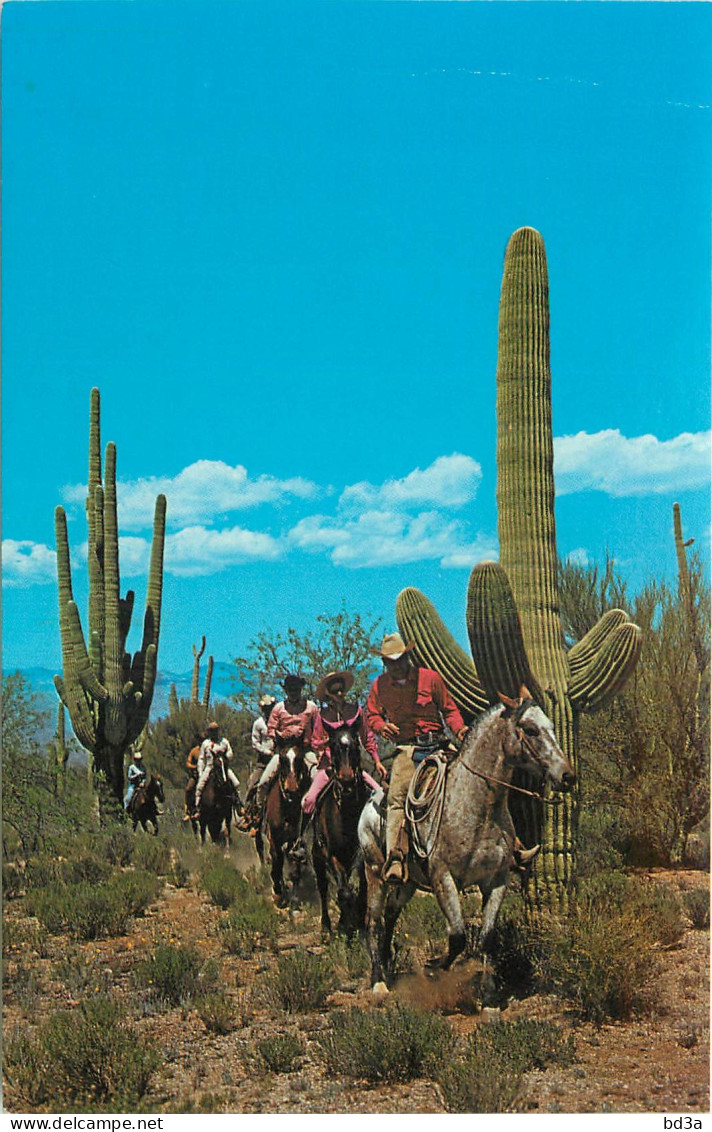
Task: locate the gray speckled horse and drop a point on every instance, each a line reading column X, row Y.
column 474, row 841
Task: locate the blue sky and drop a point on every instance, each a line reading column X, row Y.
column 273, row 235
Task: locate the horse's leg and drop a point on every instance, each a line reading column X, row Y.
column 277, row 855
column 361, row 900
column 260, row 846
column 376, row 894
column 448, row 898
column 491, row 903
column 396, row 900
column 322, row 883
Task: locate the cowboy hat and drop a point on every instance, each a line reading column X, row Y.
column 213, row 726
column 322, row 688
column 267, row 700
column 393, row 647
column 293, row 678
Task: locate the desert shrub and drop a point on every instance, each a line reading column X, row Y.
column 526, row 1044
column 80, row 976
column 220, row 881
column 21, row 938
column 176, row 974
column 395, row 1044
column 250, row 926
column 349, row 956
column 473, row 1083
column 601, row 961
column 614, row 893
column 603, row 841
column 300, row 981
column 485, row 1073
column 217, row 1013
column 152, row 855
column 90, row 911
column 280, row 1052
column 697, row 906
column 86, row 1057
column 120, row 844
column 45, row 871
column 138, row 890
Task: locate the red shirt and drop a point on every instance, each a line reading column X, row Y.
column 415, row 706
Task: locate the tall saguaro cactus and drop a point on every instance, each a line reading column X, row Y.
column 106, row 691
column 513, row 613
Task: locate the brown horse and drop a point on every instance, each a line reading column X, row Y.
column 142, row 807
column 336, row 847
column 283, row 816
column 216, row 805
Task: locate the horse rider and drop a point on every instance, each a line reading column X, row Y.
column 293, row 718
column 210, row 749
column 406, row 703
column 337, row 713
column 191, row 766
column 263, row 746
column 136, row 775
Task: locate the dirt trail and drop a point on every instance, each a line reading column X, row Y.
column 656, row 1063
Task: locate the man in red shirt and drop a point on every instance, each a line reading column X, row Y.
column 405, row 702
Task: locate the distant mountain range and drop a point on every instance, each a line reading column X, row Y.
column 224, row 685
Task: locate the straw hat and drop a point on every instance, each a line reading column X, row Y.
column 267, row 701
column 393, row 647
column 322, row 688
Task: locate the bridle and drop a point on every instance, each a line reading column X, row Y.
column 525, row 742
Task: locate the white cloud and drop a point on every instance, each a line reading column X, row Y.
column 199, row 550
column 578, row 557
column 26, row 563
column 450, row 481
column 387, row 538
column 623, row 466
column 198, row 494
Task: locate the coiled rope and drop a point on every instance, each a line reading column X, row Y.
column 421, row 807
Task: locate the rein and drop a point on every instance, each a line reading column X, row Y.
column 519, row 789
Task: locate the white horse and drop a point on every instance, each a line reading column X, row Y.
column 474, row 840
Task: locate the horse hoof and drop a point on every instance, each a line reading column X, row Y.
column 279, row 901
column 437, row 964
column 380, row 992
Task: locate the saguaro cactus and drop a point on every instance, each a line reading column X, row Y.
column 107, row 692
column 514, row 621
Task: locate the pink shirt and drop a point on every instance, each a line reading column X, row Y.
column 283, row 725
column 368, row 739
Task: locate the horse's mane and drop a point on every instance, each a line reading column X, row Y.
column 484, row 722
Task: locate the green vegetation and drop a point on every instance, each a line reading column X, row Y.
column 250, row 928
column 485, row 1074
column 87, row 910
column 697, row 906
column 299, row 982
column 89, row 1058
column 281, row 1052
column 340, row 641
column 217, row 1012
column 395, row 1044
column 177, row 974
column 106, row 692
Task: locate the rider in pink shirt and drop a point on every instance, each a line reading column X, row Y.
column 336, row 714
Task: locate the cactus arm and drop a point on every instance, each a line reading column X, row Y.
column 82, row 664
column 126, row 606
column 195, row 683
column 495, row 634
column 583, row 652
column 208, row 682
column 594, row 685
column 154, row 594
column 436, row 648
column 173, row 705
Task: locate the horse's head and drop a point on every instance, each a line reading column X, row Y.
column 292, row 766
column 156, row 787
column 345, row 755
column 532, row 743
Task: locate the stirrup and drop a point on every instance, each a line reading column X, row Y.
column 395, row 870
